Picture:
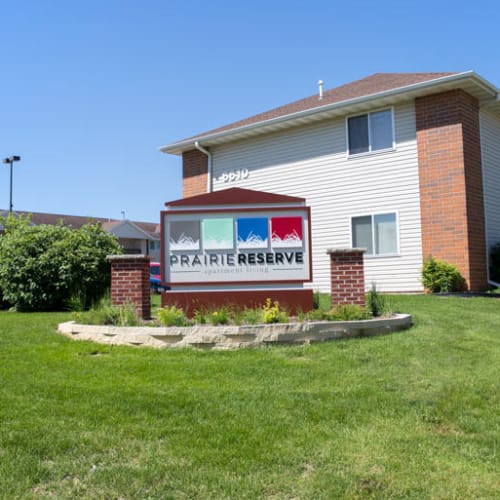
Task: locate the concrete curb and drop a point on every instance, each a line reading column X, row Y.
column 232, row 337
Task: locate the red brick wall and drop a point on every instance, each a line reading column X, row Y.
column 130, row 282
column 293, row 301
column 347, row 277
column 194, row 173
column 451, row 192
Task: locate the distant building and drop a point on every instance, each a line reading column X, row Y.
column 135, row 237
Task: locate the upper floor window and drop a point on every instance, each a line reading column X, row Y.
column 370, row 132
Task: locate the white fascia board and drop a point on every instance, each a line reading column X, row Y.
column 178, row 147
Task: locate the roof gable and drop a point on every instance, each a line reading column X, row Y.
column 235, row 196
column 127, row 229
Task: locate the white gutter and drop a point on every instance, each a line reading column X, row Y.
column 209, row 169
column 466, row 75
column 494, row 283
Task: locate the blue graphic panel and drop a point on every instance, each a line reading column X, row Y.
column 253, row 232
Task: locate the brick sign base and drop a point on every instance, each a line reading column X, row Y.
column 293, row 301
column 347, row 276
column 130, row 282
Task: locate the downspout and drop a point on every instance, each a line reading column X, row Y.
column 209, row 170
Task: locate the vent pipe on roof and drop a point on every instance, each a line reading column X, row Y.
column 320, row 85
column 209, row 173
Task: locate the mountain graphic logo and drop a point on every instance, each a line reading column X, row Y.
column 253, row 232
column 286, row 232
column 218, row 234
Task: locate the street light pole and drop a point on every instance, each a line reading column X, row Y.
column 11, row 160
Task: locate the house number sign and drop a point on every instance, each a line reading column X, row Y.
column 234, row 175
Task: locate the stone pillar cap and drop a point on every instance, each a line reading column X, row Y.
column 129, row 256
column 345, row 250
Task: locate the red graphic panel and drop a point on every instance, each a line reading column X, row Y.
column 286, row 232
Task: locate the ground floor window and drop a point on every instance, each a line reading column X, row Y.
column 378, row 233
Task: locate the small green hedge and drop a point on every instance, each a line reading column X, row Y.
column 439, row 276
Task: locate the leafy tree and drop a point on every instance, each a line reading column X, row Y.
column 49, row 267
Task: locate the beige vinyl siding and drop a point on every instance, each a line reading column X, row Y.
column 311, row 162
column 490, row 152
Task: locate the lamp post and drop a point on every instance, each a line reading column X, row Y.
column 11, row 160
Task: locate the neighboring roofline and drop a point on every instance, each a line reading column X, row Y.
column 68, row 220
column 187, row 144
column 149, row 236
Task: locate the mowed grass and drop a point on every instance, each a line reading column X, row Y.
column 414, row 414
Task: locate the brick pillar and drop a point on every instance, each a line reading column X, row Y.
column 451, row 185
column 130, row 282
column 347, row 276
column 194, row 173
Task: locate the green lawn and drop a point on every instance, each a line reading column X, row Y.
column 409, row 415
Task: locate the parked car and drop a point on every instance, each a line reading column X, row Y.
column 155, row 277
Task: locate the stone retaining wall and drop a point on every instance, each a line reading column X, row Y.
column 231, row 337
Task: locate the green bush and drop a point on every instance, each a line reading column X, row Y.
column 172, row 316
column 376, row 303
column 200, row 317
column 495, row 263
column 53, row 267
column 272, row 313
column 439, row 276
column 316, row 299
column 347, row 312
column 3, row 303
column 106, row 314
column 251, row 316
column 220, row 316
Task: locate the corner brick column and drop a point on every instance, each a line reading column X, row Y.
column 194, row 173
column 451, row 183
column 130, row 282
column 347, row 276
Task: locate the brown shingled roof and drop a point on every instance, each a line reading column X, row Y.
column 374, row 84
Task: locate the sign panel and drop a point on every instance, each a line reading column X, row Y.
column 236, row 246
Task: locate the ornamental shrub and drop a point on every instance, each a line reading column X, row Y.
column 104, row 313
column 376, row 303
column 49, row 267
column 3, row 303
column 347, row 312
column 439, row 276
column 172, row 316
column 220, row 316
column 272, row 313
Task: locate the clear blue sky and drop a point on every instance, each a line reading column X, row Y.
column 90, row 89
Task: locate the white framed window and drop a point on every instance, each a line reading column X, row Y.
column 378, row 233
column 370, row 132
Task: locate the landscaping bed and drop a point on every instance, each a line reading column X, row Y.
column 234, row 336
